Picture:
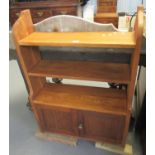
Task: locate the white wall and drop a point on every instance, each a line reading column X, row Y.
column 129, row 6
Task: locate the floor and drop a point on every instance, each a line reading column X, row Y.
column 23, row 127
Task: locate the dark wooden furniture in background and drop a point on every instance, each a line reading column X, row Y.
column 106, row 12
column 100, row 114
column 106, row 6
column 42, row 9
column 107, row 18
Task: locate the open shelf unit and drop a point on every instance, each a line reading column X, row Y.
column 94, row 113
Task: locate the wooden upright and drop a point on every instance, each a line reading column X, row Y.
column 101, row 114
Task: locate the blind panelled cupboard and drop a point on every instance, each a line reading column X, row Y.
column 100, row 114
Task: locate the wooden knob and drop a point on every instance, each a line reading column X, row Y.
column 80, row 127
column 40, row 13
column 63, row 12
column 17, row 14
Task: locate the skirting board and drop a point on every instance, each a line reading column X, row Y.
column 69, row 140
column 127, row 150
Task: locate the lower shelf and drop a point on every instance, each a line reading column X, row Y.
column 83, row 98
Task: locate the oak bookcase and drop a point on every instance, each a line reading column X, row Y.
column 100, row 114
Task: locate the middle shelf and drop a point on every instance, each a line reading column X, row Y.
column 82, row 70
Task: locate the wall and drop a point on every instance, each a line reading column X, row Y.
column 129, row 6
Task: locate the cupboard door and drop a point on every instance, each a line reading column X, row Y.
column 58, row 120
column 102, row 127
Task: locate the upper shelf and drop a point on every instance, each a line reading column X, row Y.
column 81, row 39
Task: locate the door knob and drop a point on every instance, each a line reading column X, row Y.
column 40, row 13
column 63, row 12
column 17, row 14
column 80, row 127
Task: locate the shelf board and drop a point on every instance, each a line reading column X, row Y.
column 105, row 100
column 81, row 39
column 82, row 70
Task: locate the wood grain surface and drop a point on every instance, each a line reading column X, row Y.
column 84, row 70
column 82, row 98
column 81, row 39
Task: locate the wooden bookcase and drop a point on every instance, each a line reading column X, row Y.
column 101, row 114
